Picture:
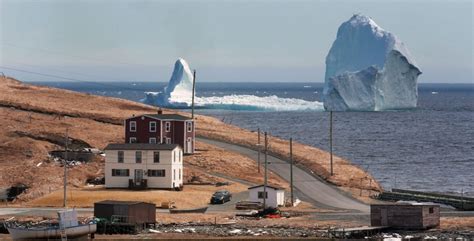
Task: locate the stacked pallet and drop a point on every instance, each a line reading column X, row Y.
column 247, row 205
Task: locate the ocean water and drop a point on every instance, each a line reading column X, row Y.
column 429, row 148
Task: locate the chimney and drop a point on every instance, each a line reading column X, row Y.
column 160, row 111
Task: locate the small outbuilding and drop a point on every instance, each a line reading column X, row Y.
column 405, row 215
column 275, row 196
column 132, row 212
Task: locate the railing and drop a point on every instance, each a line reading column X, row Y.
column 137, row 185
column 459, row 202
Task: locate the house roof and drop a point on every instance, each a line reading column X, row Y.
column 268, row 186
column 168, row 116
column 140, row 146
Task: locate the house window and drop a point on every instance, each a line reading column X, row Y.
column 180, row 156
column 189, row 126
column 133, row 140
column 174, row 174
column 120, row 172
column 168, row 140
column 153, row 126
column 174, row 156
column 156, row 157
column 431, row 210
column 156, row 173
column 167, row 126
column 138, row 157
column 133, row 126
column 120, row 156
column 260, row 195
column 152, row 140
column 179, row 174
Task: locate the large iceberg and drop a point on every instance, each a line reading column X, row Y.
column 369, row 69
column 178, row 94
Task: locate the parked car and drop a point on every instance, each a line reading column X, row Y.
column 221, row 197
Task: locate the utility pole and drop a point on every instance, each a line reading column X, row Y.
column 258, row 149
column 194, row 89
column 291, row 172
column 265, row 176
column 65, row 170
column 330, row 140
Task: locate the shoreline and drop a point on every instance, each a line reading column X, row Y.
column 112, row 111
column 23, row 104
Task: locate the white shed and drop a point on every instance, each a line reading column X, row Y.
column 275, row 195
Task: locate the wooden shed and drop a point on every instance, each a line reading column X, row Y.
column 405, row 215
column 132, row 212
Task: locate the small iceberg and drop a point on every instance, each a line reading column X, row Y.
column 178, row 94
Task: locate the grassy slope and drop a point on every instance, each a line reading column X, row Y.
column 97, row 120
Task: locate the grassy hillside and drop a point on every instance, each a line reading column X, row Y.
column 35, row 117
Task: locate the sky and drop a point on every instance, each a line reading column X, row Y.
column 233, row 41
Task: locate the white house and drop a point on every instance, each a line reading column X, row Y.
column 143, row 165
column 275, row 195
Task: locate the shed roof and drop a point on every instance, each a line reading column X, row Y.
column 116, row 202
column 268, row 186
column 405, row 204
column 140, row 146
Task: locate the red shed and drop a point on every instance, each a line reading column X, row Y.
column 162, row 129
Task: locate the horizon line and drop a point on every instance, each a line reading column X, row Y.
column 212, row 82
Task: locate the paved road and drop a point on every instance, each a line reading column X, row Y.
column 308, row 187
column 228, row 206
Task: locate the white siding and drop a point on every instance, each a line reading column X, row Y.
column 166, row 163
column 275, row 197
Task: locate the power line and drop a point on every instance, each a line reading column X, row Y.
column 68, row 78
column 58, row 70
column 68, row 55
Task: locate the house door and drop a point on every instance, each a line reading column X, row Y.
column 383, row 214
column 138, row 176
column 189, row 146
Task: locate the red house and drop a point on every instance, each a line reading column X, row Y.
column 161, row 128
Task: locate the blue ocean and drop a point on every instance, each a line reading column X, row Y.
column 430, row 148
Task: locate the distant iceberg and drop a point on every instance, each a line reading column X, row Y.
column 369, row 69
column 178, row 94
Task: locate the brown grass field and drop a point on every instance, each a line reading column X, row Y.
column 31, row 115
column 193, row 196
